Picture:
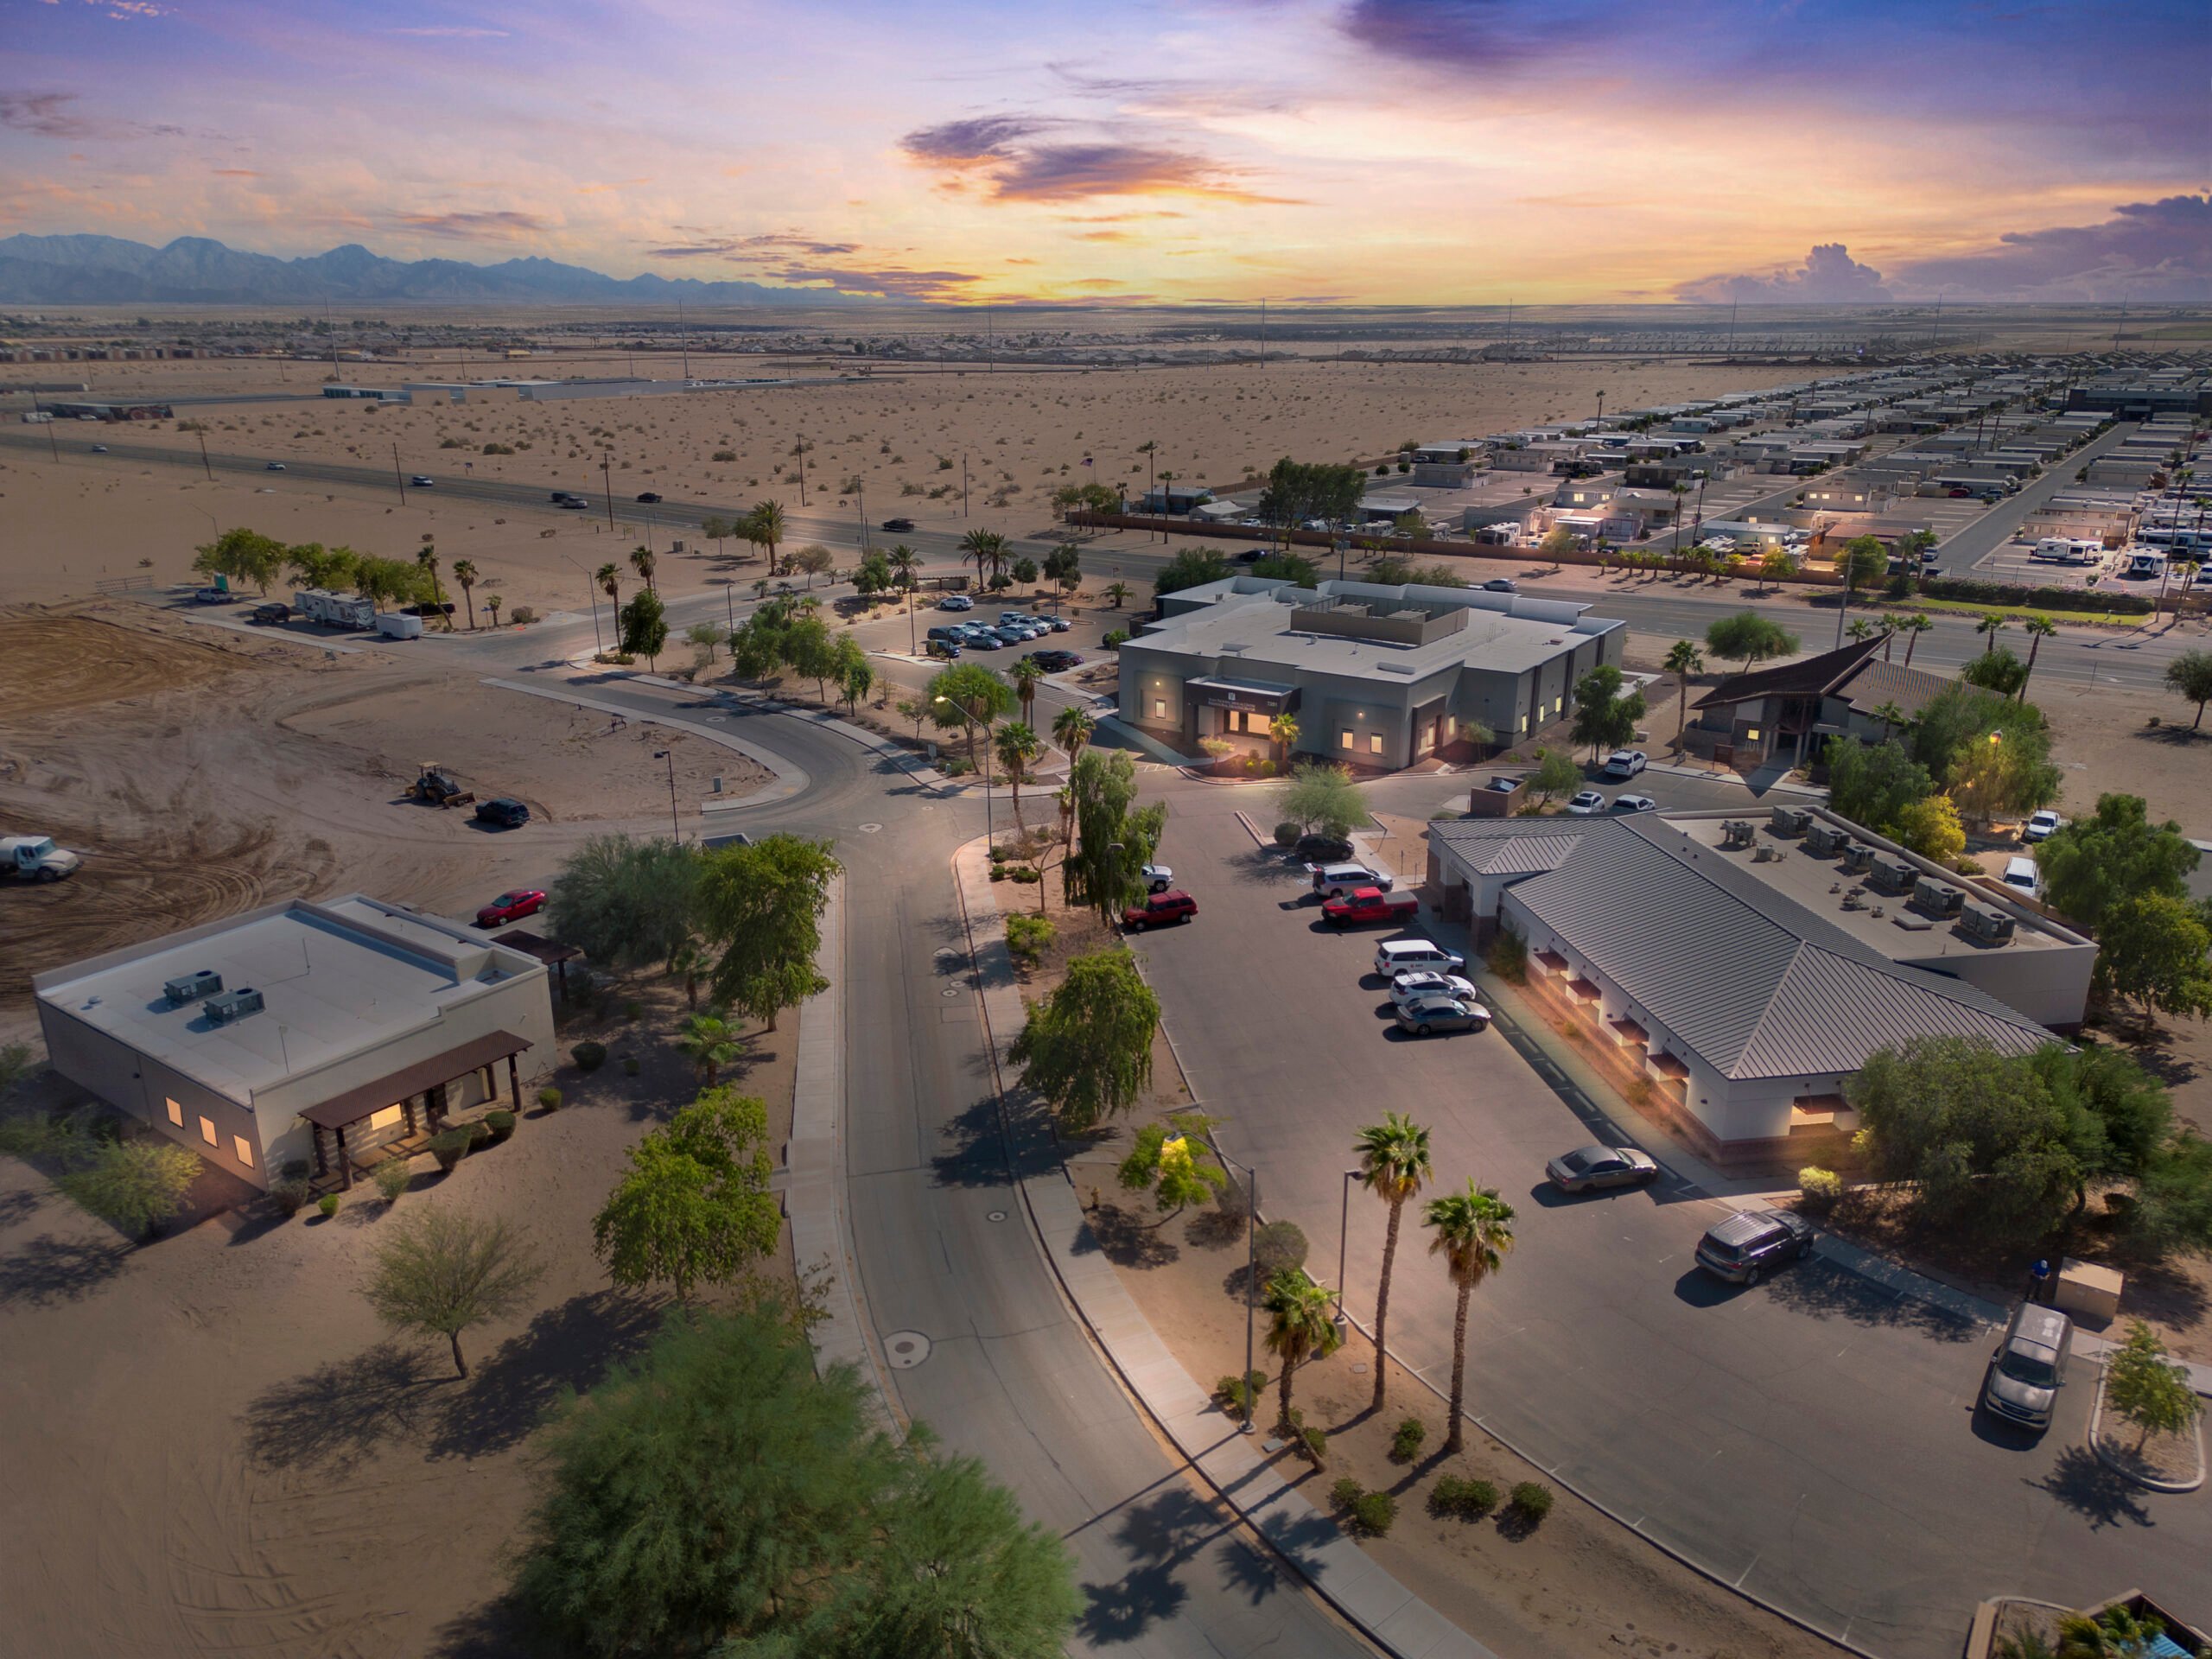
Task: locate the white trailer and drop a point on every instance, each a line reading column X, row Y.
column 335, row 610
column 398, row 624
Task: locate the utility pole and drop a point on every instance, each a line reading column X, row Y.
column 675, row 823
column 204, row 466
column 683, row 328
column 963, row 484
column 860, row 491
column 606, row 477
column 1733, row 304
column 799, row 449
column 398, row 477
column 1263, row 334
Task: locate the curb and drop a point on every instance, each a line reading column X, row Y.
column 1337, row 1570
column 2147, row 1482
column 785, row 780
column 913, row 766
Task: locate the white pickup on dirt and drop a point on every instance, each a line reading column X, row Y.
column 36, row 858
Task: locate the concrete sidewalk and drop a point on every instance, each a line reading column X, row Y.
column 1339, row 1570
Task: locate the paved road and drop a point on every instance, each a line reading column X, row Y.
column 1811, row 1441
column 942, row 1251
column 1992, row 529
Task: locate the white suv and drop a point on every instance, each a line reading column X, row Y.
column 1623, row 763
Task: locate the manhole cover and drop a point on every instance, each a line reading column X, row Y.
column 870, row 829
column 995, row 1214
column 906, row 1350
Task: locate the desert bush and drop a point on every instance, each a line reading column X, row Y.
column 290, row 1194
column 1374, row 1512
column 480, row 1134
column 522, row 616
column 1532, row 1501
column 1405, row 1444
column 629, row 1066
column 550, row 1098
column 499, row 449
column 589, row 1056
column 1278, row 1245
column 1026, row 936
column 449, row 1146
column 1345, row 1493
column 1819, row 1190
column 1237, row 1396
column 725, row 454
column 1461, row 1499
column 328, row 1203
column 135, row 1184
column 501, row 1124
column 1316, row 1445
column 393, row 1178
column 1287, row 835
column 1508, row 956
column 1023, row 876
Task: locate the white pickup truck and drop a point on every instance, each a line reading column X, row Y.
column 36, row 858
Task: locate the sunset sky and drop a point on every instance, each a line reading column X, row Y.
column 1381, row 151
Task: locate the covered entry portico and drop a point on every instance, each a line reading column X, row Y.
column 1242, row 712
column 396, row 1115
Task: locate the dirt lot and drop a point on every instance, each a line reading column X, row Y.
column 202, row 778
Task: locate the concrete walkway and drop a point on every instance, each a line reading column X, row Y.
column 1339, row 1570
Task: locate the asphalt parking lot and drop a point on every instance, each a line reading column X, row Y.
column 1812, row 1440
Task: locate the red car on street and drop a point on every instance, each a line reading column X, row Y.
column 512, row 907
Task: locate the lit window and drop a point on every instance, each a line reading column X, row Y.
column 1159, row 708
column 1750, row 734
column 176, row 1114
column 383, row 1117
column 1374, row 743
column 207, row 1132
column 245, row 1151
column 1351, row 741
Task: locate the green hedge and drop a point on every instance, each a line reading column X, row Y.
column 2035, row 599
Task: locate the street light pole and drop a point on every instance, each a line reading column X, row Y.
column 599, row 645
column 675, row 823
column 1343, row 1233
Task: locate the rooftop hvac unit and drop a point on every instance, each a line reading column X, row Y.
column 1825, row 840
column 226, row 1006
column 1938, row 898
column 201, row 981
column 1895, row 874
column 1993, row 926
column 1857, row 855
column 1736, row 832
column 1789, row 820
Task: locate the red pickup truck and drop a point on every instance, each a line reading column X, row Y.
column 1371, row 904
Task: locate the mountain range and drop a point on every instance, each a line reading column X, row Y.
column 110, row 270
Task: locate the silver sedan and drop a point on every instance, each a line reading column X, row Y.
column 1588, row 1168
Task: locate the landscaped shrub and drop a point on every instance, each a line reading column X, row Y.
column 1532, row 1501
column 501, row 1124
column 522, row 616
column 290, row 1194
column 2034, row 599
column 1287, row 835
column 550, row 1098
column 449, row 1146
column 589, row 1056
column 1022, row 875
column 480, row 1134
column 296, row 1169
column 629, row 1066
column 328, row 1204
column 1461, row 1499
column 1508, row 956
column 1316, row 1445
column 1345, row 1493
column 393, row 1178
column 1236, row 1397
column 1373, row 1514
column 1028, row 936
column 1819, row 1189
column 1277, row 1245
column 1405, row 1444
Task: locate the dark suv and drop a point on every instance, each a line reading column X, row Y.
column 504, row 811
column 1741, row 1249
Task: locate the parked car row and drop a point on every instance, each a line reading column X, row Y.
column 1589, row 802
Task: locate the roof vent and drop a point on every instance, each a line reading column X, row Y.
column 201, row 981
column 228, row 1006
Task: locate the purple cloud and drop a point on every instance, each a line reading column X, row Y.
column 964, row 143
column 995, row 149
column 1461, row 35
column 2154, row 250
column 48, row 115
column 1828, row 276
column 477, row 226
column 762, row 246
column 891, row 283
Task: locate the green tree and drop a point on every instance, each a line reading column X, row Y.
column 1556, row 774
column 1282, row 730
column 1912, row 627
column 967, row 697
column 710, row 1042
column 1087, row 1049
column 2092, row 865
column 625, row 902
column 1556, row 545
column 811, row 651
column 1115, row 837
column 2038, row 628
column 2173, row 1199
column 642, row 561
column 1394, row 1165
column 756, row 649
column 1684, row 660
column 1603, row 718
column 643, row 627
column 1861, row 561
column 904, row 564
column 1027, row 674
column 988, row 549
column 465, row 577
column 1997, row 670
column 137, row 1185
column 1301, row 1325
column 2148, row 1390
column 1776, row 565
column 763, row 905
column 1930, row 827
column 1472, row 1231
column 1289, row 567
column 2188, row 676
column 1072, row 729
column 815, row 559
column 764, row 527
column 1193, row 567
column 704, row 638
column 1117, row 591
column 1018, row 748
column 694, row 1207
column 1320, row 798
column 241, row 555
column 1748, row 638
column 609, row 578
column 2152, row 951
column 1992, row 755
column 317, row 566
column 1169, row 1161
column 855, row 674
column 717, row 530
column 443, row 1269
column 872, row 575
column 1873, row 784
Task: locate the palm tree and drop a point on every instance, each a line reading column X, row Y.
column 1025, row 675
column 609, row 578
column 464, row 572
column 766, row 526
column 1018, row 748
column 904, row 563
column 426, row 558
column 1473, row 1233
column 1989, row 627
column 710, row 1043
column 2039, row 628
column 1891, row 717
column 1117, row 591
column 687, row 961
column 492, row 603
column 1683, row 659
column 1861, row 628
column 1300, row 1326
column 642, row 562
column 987, row 548
column 1072, row 729
column 1912, row 628
column 1394, row 1166
column 1284, row 729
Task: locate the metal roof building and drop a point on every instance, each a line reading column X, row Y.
column 1746, row 972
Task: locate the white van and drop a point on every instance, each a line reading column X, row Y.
column 1395, row 956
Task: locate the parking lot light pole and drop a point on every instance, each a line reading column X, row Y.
column 1251, row 1266
column 1344, row 1233
column 675, row 823
column 599, row 645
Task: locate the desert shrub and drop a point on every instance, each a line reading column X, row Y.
column 1238, row 1396
column 1316, row 1445
column 1461, row 1499
column 522, row 616
column 393, row 1178
column 1508, row 956
column 1372, row 1515
column 1345, row 1493
column 499, row 449
column 725, row 454
column 449, row 1146
column 1819, row 1189
column 629, row 1066
column 290, row 1194
column 500, row 1124
column 1532, row 1501
column 1022, row 875
column 1278, row 1245
column 1287, row 835
column 480, row 1134
column 328, row 1203
column 550, row 1098
column 1405, row 1444
column 296, row 1169
column 589, row 1056
column 1028, row 936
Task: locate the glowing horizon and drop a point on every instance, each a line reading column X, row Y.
column 1439, row 152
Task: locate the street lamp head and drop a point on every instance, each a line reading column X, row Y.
column 662, row 755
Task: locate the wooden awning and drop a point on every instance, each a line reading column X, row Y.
column 340, row 1110
column 1551, row 961
column 549, row 952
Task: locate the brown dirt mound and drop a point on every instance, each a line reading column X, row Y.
column 49, row 662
